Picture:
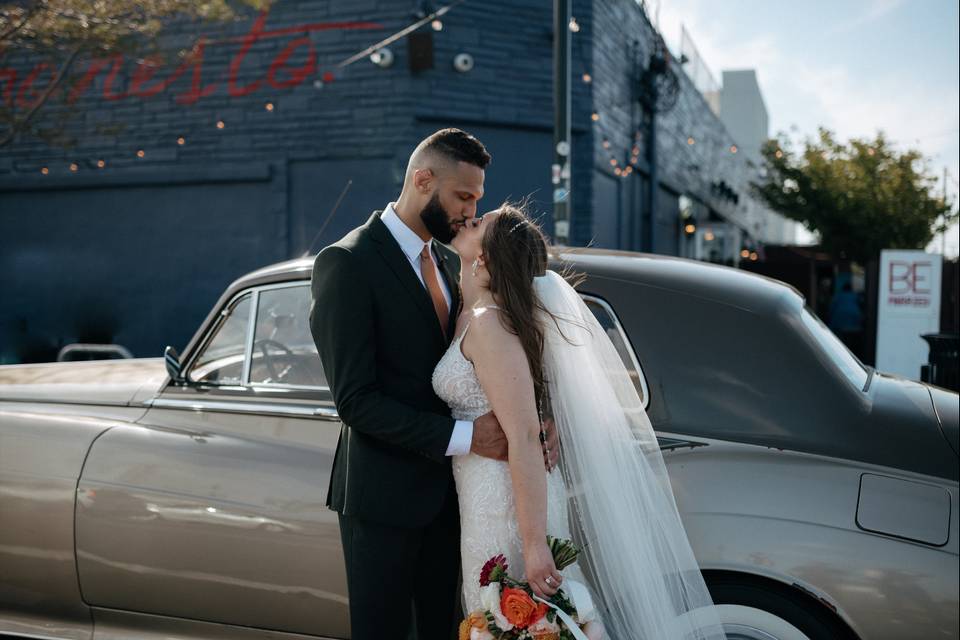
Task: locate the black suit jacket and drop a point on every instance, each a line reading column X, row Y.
column 379, row 340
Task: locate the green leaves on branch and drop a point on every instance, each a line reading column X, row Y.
column 861, row 196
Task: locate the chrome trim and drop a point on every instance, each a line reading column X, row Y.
column 248, row 342
column 189, row 360
column 274, row 387
column 626, row 340
column 242, row 407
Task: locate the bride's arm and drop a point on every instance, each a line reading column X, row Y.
column 504, row 374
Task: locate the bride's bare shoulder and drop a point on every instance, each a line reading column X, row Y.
column 487, row 331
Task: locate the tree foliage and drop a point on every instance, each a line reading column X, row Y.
column 61, row 31
column 862, row 196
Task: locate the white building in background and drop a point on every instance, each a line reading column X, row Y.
column 744, row 114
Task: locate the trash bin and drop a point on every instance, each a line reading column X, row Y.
column 943, row 368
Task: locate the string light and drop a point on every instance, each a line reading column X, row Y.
column 101, row 164
column 753, row 255
column 606, row 144
column 708, row 236
column 73, row 167
column 779, row 154
column 689, row 228
column 141, row 153
column 617, row 171
column 220, row 124
column 613, row 162
column 44, row 170
column 268, row 106
column 574, row 26
column 587, row 78
column 745, row 253
column 437, row 25
column 181, row 141
column 690, row 140
column 733, row 148
column 594, row 116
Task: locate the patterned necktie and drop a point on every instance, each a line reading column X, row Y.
column 429, row 271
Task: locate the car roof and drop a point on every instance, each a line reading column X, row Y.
column 727, row 285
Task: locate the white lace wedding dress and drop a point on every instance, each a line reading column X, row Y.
column 488, row 517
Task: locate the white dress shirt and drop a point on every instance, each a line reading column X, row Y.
column 411, row 245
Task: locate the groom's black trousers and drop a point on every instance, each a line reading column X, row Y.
column 389, row 567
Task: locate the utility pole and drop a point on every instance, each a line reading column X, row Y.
column 560, row 171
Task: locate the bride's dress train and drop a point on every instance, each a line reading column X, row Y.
column 644, row 578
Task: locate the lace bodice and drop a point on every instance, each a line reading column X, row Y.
column 488, row 518
column 455, row 382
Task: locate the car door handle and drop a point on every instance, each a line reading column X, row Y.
column 326, row 412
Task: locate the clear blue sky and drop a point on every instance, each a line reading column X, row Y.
column 854, row 66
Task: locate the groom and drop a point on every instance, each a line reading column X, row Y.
column 385, row 304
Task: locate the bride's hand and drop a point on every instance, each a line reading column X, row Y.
column 542, row 573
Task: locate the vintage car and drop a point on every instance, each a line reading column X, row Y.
column 139, row 500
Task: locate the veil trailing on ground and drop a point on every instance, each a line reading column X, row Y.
column 646, row 579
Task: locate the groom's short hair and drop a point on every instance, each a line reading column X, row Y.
column 454, row 145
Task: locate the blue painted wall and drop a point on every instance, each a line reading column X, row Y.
column 136, row 252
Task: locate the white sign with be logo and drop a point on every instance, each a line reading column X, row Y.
column 908, row 305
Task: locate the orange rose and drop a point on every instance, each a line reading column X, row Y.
column 519, row 608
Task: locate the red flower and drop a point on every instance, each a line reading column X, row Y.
column 493, row 569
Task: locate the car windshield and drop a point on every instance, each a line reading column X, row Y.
column 838, row 352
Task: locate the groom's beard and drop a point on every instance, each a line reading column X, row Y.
column 436, row 220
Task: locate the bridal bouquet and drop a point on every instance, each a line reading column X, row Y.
column 512, row 612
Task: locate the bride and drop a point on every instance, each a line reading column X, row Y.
column 525, row 346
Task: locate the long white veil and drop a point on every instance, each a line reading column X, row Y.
column 646, row 579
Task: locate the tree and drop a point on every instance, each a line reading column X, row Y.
column 861, row 197
column 60, row 31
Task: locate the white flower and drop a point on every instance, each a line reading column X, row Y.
column 480, row 634
column 544, row 626
column 490, row 599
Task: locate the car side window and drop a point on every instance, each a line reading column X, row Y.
column 222, row 359
column 283, row 349
column 605, row 316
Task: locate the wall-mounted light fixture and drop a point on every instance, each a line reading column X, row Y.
column 463, row 62
column 383, row 58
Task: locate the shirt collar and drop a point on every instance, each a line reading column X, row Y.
column 410, row 243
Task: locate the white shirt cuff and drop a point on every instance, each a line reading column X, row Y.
column 461, row 439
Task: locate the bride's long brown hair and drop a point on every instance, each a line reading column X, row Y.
column 516, row 253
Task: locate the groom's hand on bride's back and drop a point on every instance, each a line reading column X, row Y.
column 489, row 440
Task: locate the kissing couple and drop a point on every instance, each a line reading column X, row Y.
column 459, row 363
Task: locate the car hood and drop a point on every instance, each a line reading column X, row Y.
column 87, row 382
column 915, row 420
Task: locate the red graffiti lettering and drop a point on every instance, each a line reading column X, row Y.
column 144, row 84
column 196, row 90
column 86, row 80
column 27, row 96
column 248, row 41
column 9, row 78
column 298, row 74
column 108, row 92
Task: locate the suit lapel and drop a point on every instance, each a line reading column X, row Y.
column 393, row 255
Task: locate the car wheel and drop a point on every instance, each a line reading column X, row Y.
column 761, row 612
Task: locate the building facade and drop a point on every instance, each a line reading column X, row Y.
column 743, row 112
column 268, row 142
